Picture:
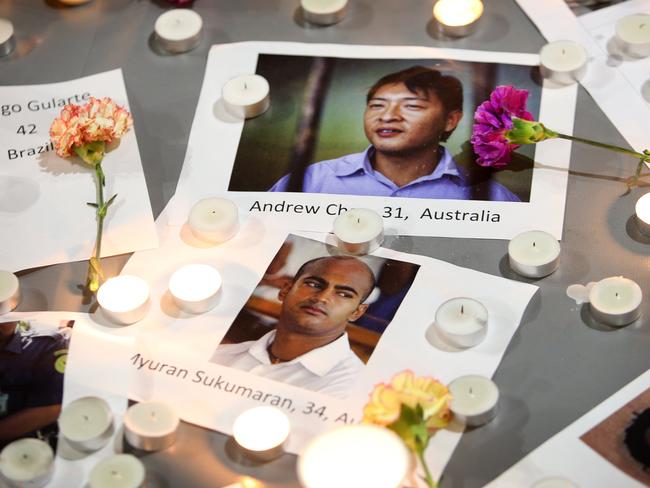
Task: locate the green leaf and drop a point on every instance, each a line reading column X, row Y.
column 91, row 204
column 110, row 200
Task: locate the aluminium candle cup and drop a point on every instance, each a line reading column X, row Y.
column 126, row 467
column 475, row 400
column 463, row 330
column 324, row 12
column 616, row 314
column 124, row 299
column 458, row 27
column 246, row 96
column 564, row 62
column 361, row 237
column 7, row 38
column 27, row 463
column 9, row 291
column 87, row 424
column 642, row 212
column 151, row 426
column 195, row 288
column 554, row 482
column 534, row 254
column 178, row 30
column 633, row 35
column 261, row 432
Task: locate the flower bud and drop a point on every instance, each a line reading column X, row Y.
column 528, row 132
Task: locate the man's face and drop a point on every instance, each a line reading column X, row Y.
column 327, row 295
column 398, row 121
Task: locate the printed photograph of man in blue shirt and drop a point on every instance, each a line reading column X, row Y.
column 408, row 115
column 380, row 127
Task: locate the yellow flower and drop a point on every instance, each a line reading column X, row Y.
column 406, row 389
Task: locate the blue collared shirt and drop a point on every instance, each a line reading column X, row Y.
column 353, row 174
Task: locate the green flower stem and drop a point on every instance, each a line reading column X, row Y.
column 605, row 146
column 101, row 208
column 427, row 474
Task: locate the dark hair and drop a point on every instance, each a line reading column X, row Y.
column 420, row 79
column 304, row 266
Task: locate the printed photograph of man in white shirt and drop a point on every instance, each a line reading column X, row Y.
column 307, row 342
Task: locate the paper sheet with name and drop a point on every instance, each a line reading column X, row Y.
column 619, row 84
column 43, row 212
column 72, row 467
column 255, row 162
column 170, row 356
column 574, row 453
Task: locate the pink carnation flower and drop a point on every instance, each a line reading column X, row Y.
column 98, row 120
column 493, row 118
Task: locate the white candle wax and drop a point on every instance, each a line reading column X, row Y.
column 354, row 456
column 554, row 483
column 633, row 35
column 195, row 287
column 563, row 62
column 458, row 18
column 359, row 231
column 246, row 96
column 462, row 322
column 474, row 399
column 119, row 471
column 9, row 291
column 642, row 210
column 179, row 30
column 262, row 432
column 87, row 423
column 214, row 220
column 124, row 299
column 534, row 254
column 616, row 301
column 324, row 12
column 150, row 426
column 27, row 463
column 7, row 40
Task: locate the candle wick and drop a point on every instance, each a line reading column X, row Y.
column 563, row 52
column 25, row 455
column 86, row 418
column 115, row 474
column 616, row 294
column 245, row 87
column 153, row 415
column 471, row 392
column 358, row 221
column 533, row 243
column 462, row 309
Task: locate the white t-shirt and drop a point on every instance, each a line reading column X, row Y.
column 329, row 369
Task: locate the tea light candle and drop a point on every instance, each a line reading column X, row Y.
column 150, row 426
column 633, row 35
column 534, row 254
column 195, row 287
column 563, row 62
column 354, row 456
column 124, row 299
column 246, row 96
column 261, row 432
column 87, row 423
column 462, row 322
column 642, row 210
column 616, row 301
column 474, row 399
column 74, row 2
column 324, row 12
column 27, row 463
column 554, row 483
column 458, row 18
column 7, row 39
column 359, row 231
column 119, row 471
column 9, row 291
column 178, row 30
column 214, row 220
